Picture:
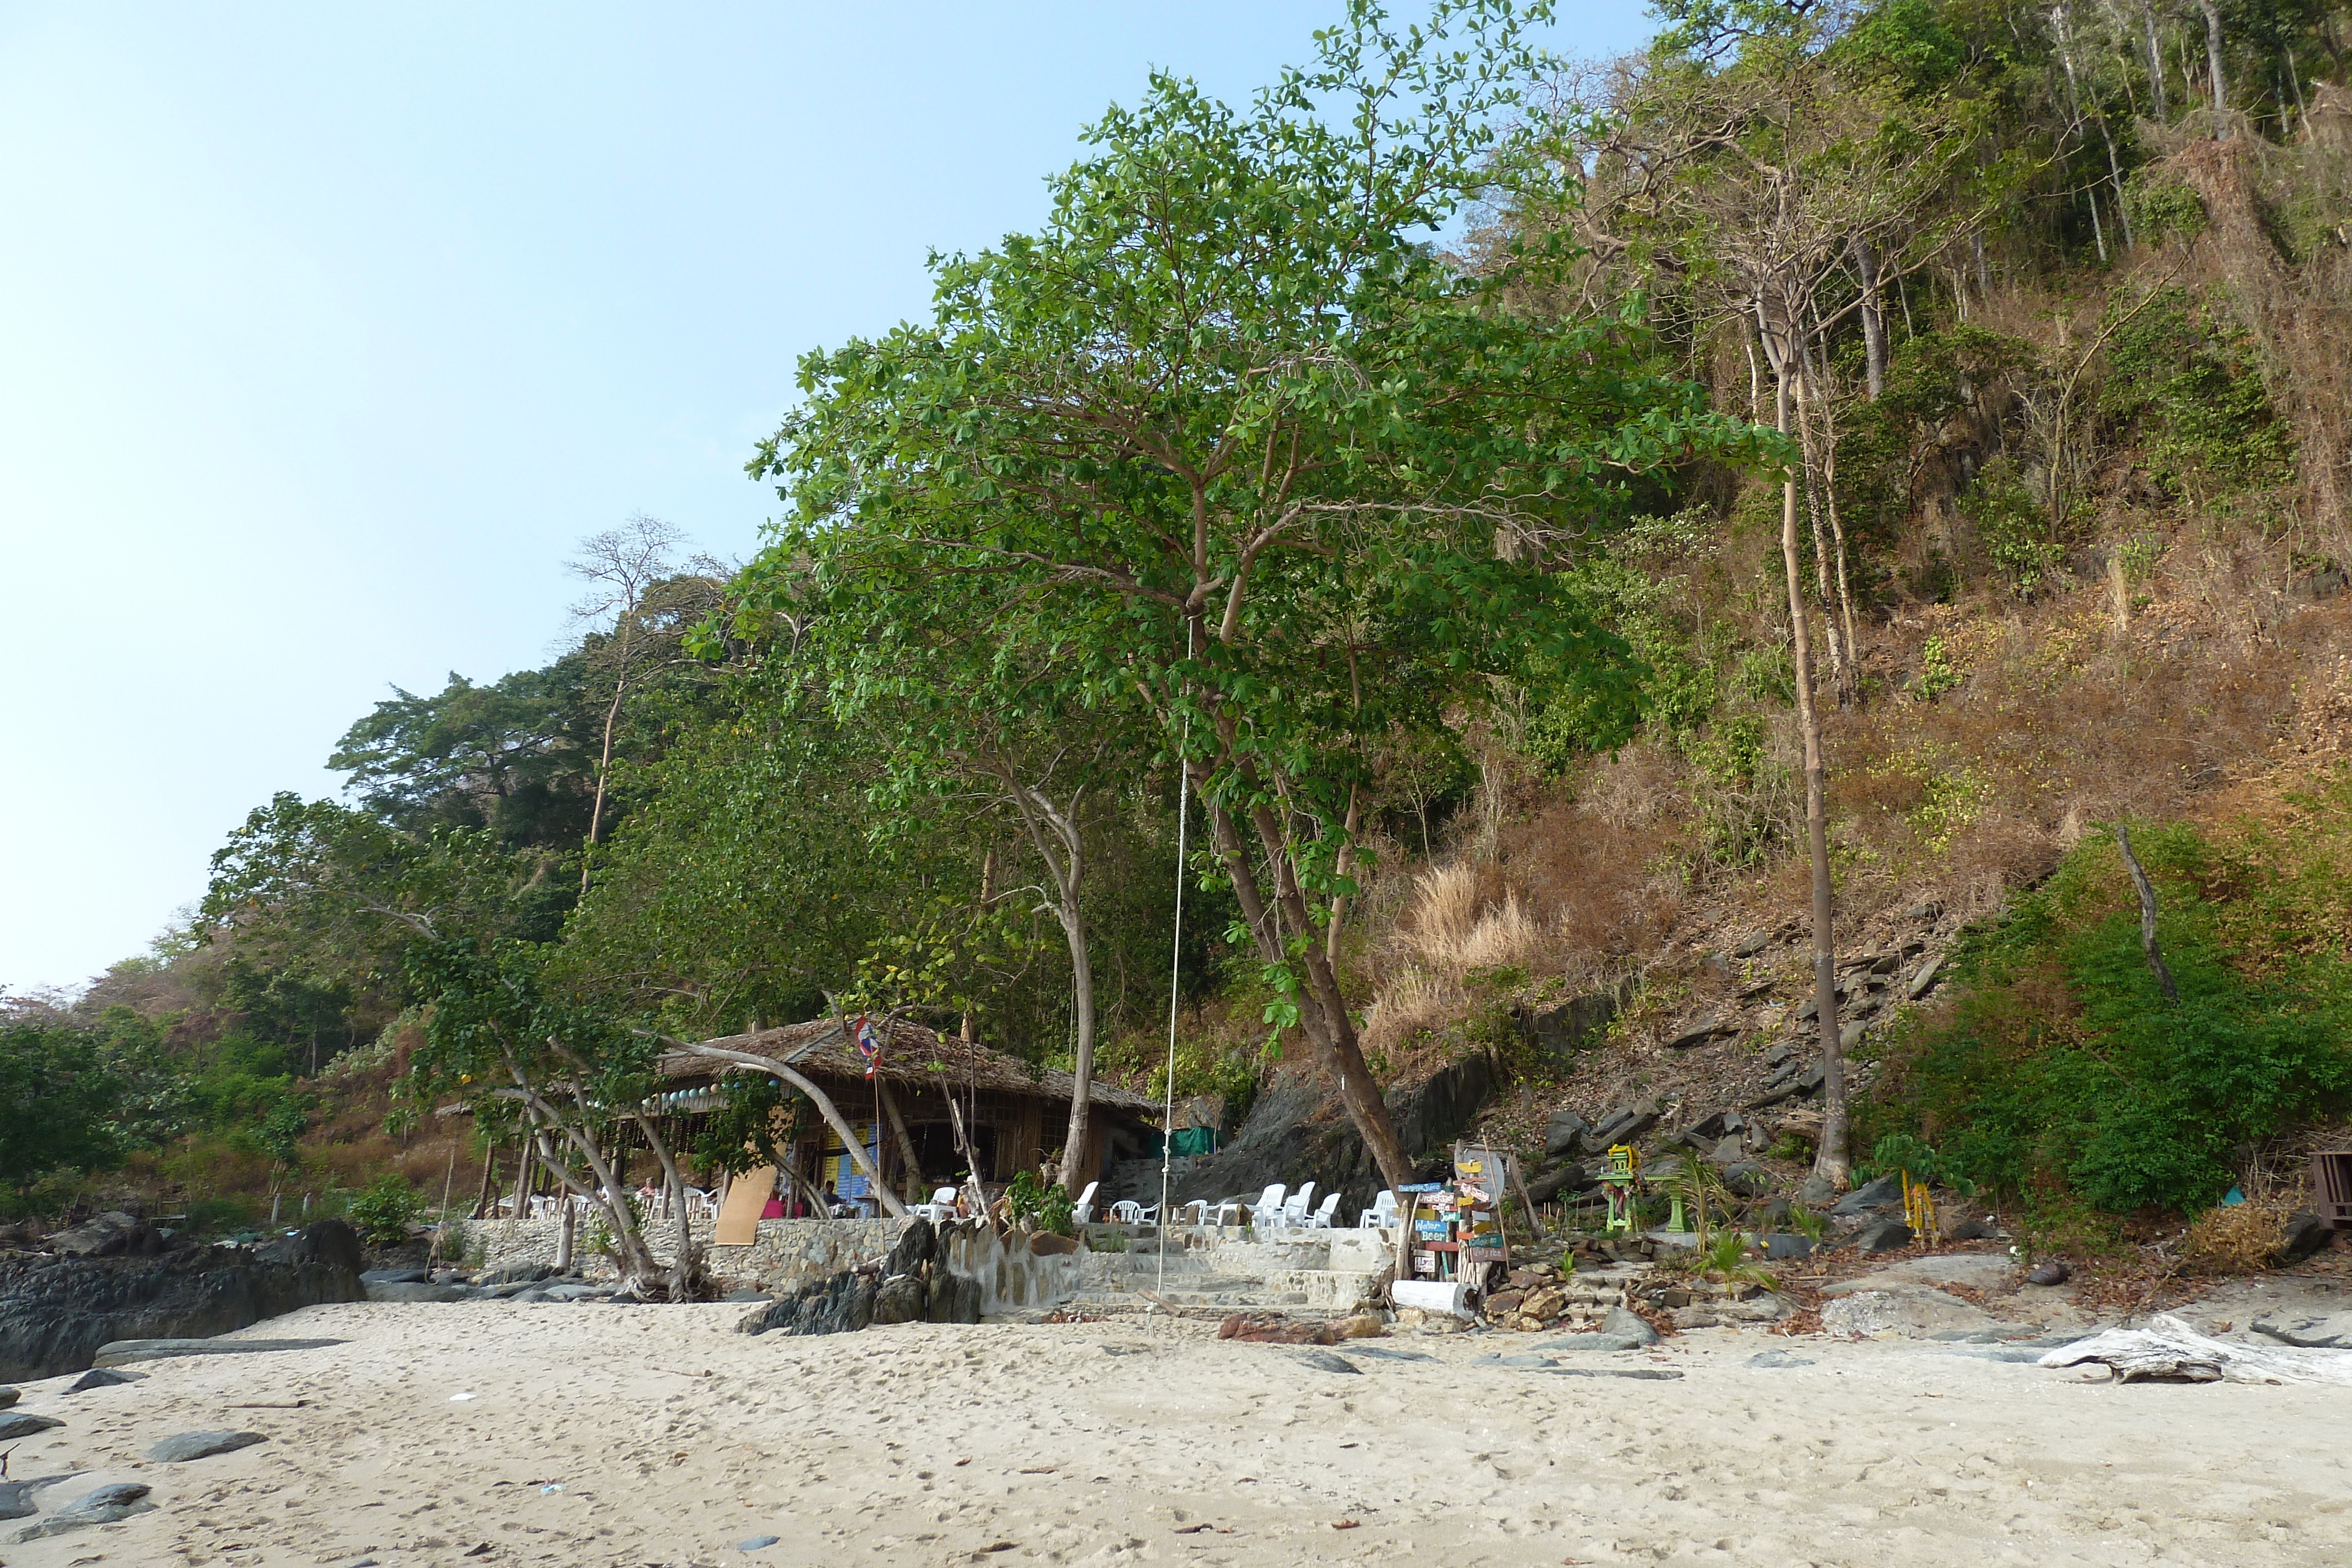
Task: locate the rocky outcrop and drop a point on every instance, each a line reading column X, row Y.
column 913, row 1285
column 55, row 1311
column 1297, row 1133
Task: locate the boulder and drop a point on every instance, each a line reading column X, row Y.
column 1926, row 979
column 418, row 1292
column 2306, row 1233
column 1625, row 1124
column 114, row 1234
column 1629, row 1325
column 1886, row 1192
column 118, row 1352
column 1883, row 1236
column 1970, row 1230
column 101, row 1505
column 1745, row 1178
column 899, row 1300
column 1568, row 1027
column 1272, row 1328
column 16, row 1424
column 1045, row 1244
column 1817, row 1190
column 512, row 1274
column 1568, row 1178
column 8, row 1396
column 1564, row 1133
column 17, row 1496
column 1699, row 1032
column 182, row 1447
column 1781, row 1245
column 56, row 1310
column 397, row 1277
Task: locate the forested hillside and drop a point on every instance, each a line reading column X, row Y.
column 1522, row 528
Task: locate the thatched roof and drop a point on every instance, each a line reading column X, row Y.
column 910, row 1055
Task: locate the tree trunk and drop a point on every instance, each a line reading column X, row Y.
column 1851, row 689
column 1822, row 553
column 1358, row 1091
column 683, row 1269
column 2213, row 62
column 1830, row 1161
column 2155, row 64
column 603, row 767
column 824, row 1108
column 1873, row 325
column 1055, row 834
column 906, row 1141
column 1082, row 1065
column 2147, row 891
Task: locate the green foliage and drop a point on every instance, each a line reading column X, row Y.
column 1902, row 1152
column 2161, row 204
column 2065, row 1077
column 383, row 1211
column 2012, row 523
column 58, row 1103
column 1045, row 1207
column 2182, row 379
column 1937, row 673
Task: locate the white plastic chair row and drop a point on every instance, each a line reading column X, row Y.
column 1381, row 1214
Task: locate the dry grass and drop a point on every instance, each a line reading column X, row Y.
column 2240, row 1239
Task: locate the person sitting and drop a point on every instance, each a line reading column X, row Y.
column 838, row 1206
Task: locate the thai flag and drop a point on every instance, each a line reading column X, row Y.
column 870, row 1042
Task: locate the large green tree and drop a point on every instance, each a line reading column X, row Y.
column 1278, row 474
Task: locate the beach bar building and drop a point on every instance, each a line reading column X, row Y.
column 1013, row 1114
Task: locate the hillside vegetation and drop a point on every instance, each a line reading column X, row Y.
column 1866, row 454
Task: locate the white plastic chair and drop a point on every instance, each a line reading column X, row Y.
column 1230, row 1211
column 1293, row 1213
column 1381, row 1214
column 943, row 1206
column 698, row 1205
column 1196, row 1211
column 1266, row 1212
column 1321, row 1218
column 1083, row 1211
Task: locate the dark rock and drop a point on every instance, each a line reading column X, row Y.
column 182, row 1447
column 1568, row 1178
column 102, row 1377
column 748, row 1295
column 1777, row 1358
column 1780, row 1053
column 1971, row 1230
column 512, row 1274
column 1781, row 1245
column 1729, row 1150
column 1045, row 1244
column 1700, row 1030
column 114, row 1234
column 1848, row 1038
column 101, row 1505
column 899, row 1299
column 1817, row 1190
column 1926, row 979
column 1755, row 942
column 118, row 1352
column 17, row 1496
column 1324, row 1360
column 1810, row 1009
column 916, row 1244
column 16, row 1424
column 8, row 1396
column 418, row 1292
column 1886, row 1192
column 1568, row 1027
column 1625, row 1324
column 1625, row 1124
column 1298, row 1132
column 400, row 1277
column 1564, row 1133
column 1745, row 1178
column 1883, row 1236
column 1776, row 1214
column 56, row 1310
column 953, row 1299
column 2049, row 1271
column 2306, row 1233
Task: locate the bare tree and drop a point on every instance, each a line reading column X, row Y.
column 623, row 565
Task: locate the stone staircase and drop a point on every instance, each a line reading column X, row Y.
column 1211, row 1272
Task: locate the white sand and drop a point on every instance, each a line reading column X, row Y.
column 674, row 1438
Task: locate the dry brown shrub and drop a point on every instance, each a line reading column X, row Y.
column 2238, row 1239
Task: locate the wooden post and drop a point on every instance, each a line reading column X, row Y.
column 906, row 1142
column 489, row 1176
column 523, row 1180
column 564, row 1237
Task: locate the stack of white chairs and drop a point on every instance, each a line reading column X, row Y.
column 1381, row 1214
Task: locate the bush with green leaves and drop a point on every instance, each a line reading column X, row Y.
column 384, row 1210
column 2065, row 1078
column 2184, row 381
column 1046, row 1207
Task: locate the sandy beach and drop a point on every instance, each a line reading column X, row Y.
column 656, row 1436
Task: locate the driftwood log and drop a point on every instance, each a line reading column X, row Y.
column 2169, row 1350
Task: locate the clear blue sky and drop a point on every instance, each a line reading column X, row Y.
column 325, row 331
